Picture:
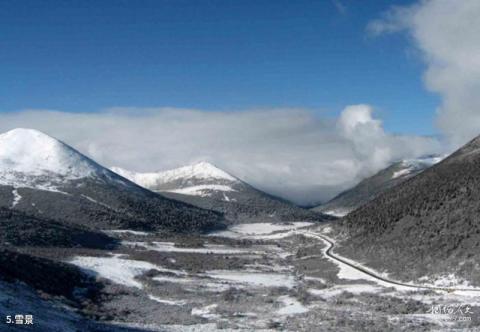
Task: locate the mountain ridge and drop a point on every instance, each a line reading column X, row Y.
column 371, row 187
column 222, row 192
column 426, row 225
column 46, row 178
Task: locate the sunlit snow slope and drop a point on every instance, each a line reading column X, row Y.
column 46, row 178
column 208, row 186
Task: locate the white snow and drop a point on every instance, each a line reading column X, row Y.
column 30, row 151
column 126, row 231
column 411, row 165
column 182, row 180
column 90, row 199
column 206, row 249
column 254, row 278
column 449, row 280
column 402, row 172
column 174, row 279
column 326, row 230
column 119, row 270
column 99, row 203
column 32, row 159
column 16, row 198
column 206, row 312
column 168, row 302
column 202, row 170
column 337, row 212
column 351, row 288
column 201, row 190
column 196, row 283
column 261, row 230
column 291, row 306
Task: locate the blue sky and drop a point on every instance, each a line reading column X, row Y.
column 84, row 56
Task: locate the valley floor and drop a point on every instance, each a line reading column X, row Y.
column 260, row 277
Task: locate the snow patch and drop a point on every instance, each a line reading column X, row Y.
column 326, row 230
column 291, row 306
column 126, row 231
column 261, row 230
column 412, row 165
column 206, row 312
column 207, row 249
column 16, row 198
column 168, row 302
column 99, row 203
column 339, row 289
column 174, row 279
column 221, row 280
column 402, row 172
column 254, row 278
column 449, row 280
column 201, row 190
column 119, row 270
column 337, row 212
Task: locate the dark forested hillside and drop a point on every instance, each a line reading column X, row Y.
column 375, row 185
column 428, row 224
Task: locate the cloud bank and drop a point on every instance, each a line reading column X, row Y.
column 288, row 152
column 447, row 33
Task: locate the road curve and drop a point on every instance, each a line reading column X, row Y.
column 372, row 274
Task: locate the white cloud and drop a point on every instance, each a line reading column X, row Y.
column 447, row 32
column 288, row 152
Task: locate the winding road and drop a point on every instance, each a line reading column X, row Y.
column 329, row 252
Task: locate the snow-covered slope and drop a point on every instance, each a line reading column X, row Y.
column 46, row 178
column 28, row 150
column 207, row 186
column 201, row 179
column 413, row 166
column 202, row 170
column 373, row 186
column 32, row 159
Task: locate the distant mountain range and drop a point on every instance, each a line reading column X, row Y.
column 429, row 224
column 373, row 186
column 206, row 186
column 50, row 182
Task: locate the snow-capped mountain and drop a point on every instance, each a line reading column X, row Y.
column 373, row 186
column 207, row 186
column 31, row 159
column 201, row 179
column 46, row 178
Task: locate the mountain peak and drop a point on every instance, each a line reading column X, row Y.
column 202, row 169
column 26, row 134
column 199, row 171
column 29, row 153
column 204, row 164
